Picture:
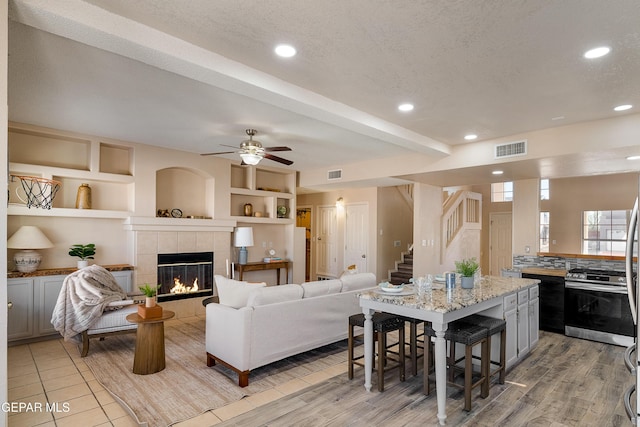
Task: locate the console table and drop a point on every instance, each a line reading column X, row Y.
column 259, row 266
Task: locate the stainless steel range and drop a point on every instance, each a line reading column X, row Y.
column 596, row 306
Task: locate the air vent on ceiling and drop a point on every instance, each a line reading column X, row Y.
column 511, row 149
column 334, row 174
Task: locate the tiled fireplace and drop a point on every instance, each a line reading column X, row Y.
column 159, row 236
column 185, row 275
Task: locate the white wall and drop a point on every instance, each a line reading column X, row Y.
column 4, row 54
column 427, row 228
column 526, row 217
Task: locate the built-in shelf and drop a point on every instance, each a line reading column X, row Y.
column 265, row 189
column 178, row 224
column 66, row 212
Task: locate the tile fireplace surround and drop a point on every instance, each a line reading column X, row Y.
column 157, row 237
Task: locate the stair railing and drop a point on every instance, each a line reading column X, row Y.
column 463, row 209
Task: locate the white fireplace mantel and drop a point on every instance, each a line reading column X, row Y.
column 178, row 224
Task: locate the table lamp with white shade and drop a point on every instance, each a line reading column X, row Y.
column 28, row 238
column 243, row 238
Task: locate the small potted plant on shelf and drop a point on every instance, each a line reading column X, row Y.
column 467, row 269
column 84, row 252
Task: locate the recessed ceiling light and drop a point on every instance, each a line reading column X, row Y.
column 557, row 118
column 405, row 107
column 623, row 107
column 597, row 52
column 285, row 50
column 633, row 158
column 497, row 172
column 470, row 137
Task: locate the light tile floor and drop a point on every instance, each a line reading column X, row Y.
column 57, row 388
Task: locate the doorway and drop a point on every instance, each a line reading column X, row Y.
column 500, row 250
column 326, row 250
column 356, row 240
column 303, row 219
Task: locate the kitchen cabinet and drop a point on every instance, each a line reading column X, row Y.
column 523, row 322
column 534, row 316
column 521, row 312
column 511, row 317
column 20, row 308
column 46, row 290
column 32, row 301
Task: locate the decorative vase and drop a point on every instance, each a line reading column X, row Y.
column 83, row 263
column 150, row 302
column 248, row 209
column 467, row 282
column 83, row 199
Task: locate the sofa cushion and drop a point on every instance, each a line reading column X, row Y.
column 354, row 282
column 235, row 293
column 321, row 287
column 274, row 294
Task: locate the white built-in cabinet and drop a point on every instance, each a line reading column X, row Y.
column 31, row 301
column 521, row 311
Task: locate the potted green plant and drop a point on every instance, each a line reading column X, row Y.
column 150, row 294
column 84, row 252
column 467, row 269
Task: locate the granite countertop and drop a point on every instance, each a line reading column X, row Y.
column 63, row 270
column 442, row 301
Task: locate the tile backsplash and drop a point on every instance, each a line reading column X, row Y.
column 565, row 263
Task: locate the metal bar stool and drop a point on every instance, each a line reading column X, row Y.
column 383, row 323
column 493, row 326
column 469, row 335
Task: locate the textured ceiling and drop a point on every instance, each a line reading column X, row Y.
column 195, row 74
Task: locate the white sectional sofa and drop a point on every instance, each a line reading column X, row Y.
column 278, row 321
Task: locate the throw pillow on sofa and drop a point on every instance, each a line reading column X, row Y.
column 235, row 293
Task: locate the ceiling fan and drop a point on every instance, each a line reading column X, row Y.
column 252, row 151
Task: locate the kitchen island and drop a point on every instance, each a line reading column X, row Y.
column 439, row 306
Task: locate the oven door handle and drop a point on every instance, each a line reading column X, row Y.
column 631, row 234
column 596, row 288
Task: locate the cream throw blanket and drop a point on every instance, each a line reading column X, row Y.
column 84, row 295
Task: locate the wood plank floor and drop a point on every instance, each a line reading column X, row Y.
column 563, row 382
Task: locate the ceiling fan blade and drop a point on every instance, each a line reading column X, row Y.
column 221, row 152
column 278, row 159
column 277, row 149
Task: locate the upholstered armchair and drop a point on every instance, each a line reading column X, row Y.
column 91, row 304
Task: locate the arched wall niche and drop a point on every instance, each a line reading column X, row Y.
column 185, row 189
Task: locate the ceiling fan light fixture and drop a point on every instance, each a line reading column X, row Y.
column 251, row 158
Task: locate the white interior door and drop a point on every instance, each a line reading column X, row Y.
column 500, row 251
column 356, row 236
column 326, row 242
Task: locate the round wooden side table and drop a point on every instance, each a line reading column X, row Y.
column 149, row 356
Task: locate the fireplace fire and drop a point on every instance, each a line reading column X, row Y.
column 185, row 275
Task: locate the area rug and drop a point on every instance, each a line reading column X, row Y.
column 187, row 387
